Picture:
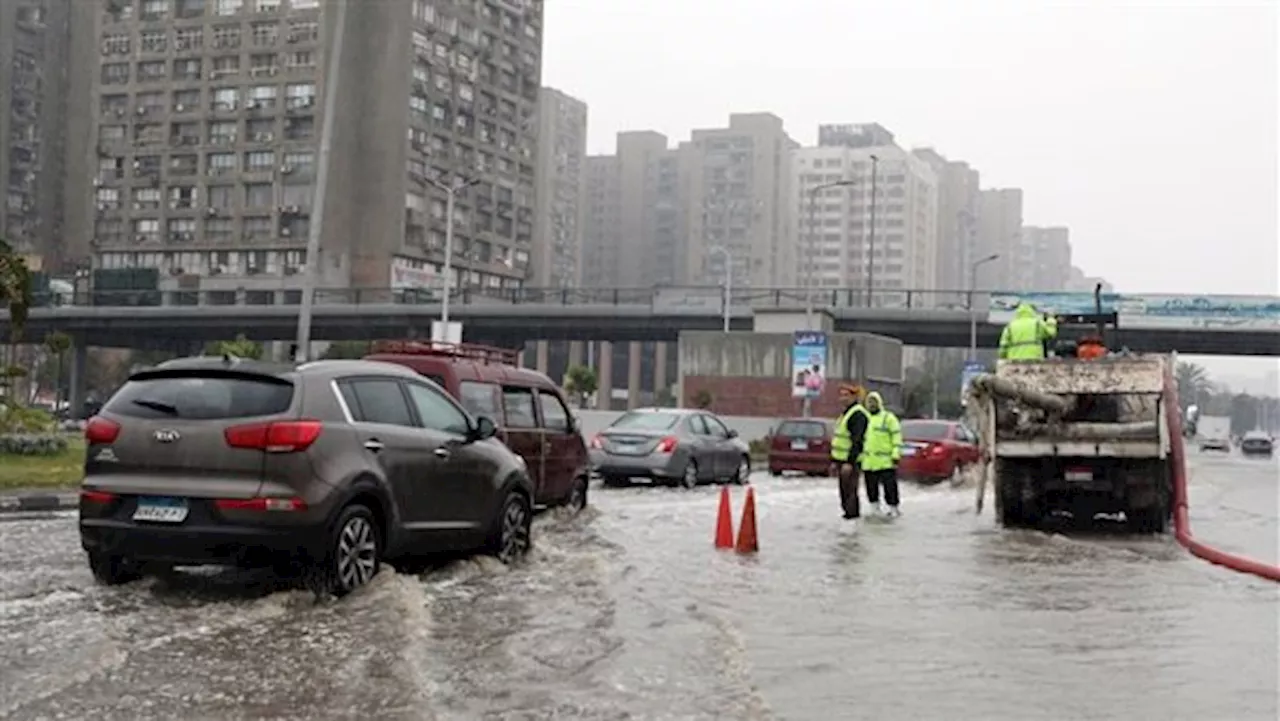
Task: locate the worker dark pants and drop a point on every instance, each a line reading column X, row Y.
column 849, row 490
column 886, row 479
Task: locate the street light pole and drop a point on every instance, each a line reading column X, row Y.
column 310, row 275
column 871, row 236
column 451, row 192
column 973, row 311
column 728, row 279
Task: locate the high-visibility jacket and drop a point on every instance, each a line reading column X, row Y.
column 1024, row 337
column 882, row 447
column 842, row 440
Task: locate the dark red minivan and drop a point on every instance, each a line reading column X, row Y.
column 528, row 408
column 800, row 444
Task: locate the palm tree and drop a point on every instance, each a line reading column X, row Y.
column 1193, row 383
column 15, row 292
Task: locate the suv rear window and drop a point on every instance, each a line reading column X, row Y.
column 802, row 429
column 201, row 396
column 647, row 421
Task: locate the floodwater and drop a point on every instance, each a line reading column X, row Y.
column 626, row 612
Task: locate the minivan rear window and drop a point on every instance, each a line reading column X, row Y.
column 647, row 421
column 201, row 397
column 802, row 429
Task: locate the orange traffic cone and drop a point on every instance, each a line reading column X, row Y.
column 747, row 541
column 724, row 523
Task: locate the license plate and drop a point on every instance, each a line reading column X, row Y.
column 799, row 445
column 908, row 451
column 161, row 510
column 1078, row 474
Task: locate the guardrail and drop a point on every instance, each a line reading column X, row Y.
column 675, row 298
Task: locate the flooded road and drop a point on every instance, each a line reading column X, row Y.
column 627, row 613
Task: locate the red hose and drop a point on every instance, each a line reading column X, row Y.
column 1181, row 524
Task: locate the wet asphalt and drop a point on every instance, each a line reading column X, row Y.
column 626, row 612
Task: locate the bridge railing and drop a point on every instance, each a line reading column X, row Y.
column 708, row 298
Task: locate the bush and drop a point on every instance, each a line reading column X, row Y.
column 759, row 448
column 32, row 444
column 19, row 420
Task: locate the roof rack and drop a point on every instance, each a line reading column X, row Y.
column 467, row 351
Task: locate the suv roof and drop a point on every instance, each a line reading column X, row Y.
column 272, row 368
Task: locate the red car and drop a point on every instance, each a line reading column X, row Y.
column 800, row 444
column 934, row 451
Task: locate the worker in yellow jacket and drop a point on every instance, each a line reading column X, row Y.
column 846, row 446
column 1024, row 337
column 881, row 451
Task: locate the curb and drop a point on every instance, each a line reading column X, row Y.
column 35, row 502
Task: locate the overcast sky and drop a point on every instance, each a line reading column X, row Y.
column 1150, row 129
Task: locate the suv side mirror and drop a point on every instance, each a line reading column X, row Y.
column 733, row 433
column 575, row 424
column 484, row 428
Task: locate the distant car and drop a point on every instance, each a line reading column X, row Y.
column 801, row 444
column 325, row 467
column 1257, row 443
column 934, row 451
column 670, row 446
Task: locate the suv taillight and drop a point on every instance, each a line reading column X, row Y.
column 100, row 431
column 277, row 437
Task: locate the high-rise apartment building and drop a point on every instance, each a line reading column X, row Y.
column 736, row 197
column 34, row 47
column 206, row 119
column 834, row 227
column 1044, row 259
column 1079, row 282
column 1000, row 234
column 959, row 198
column 560, row 186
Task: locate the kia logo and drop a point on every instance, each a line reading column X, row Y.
column 167, row 436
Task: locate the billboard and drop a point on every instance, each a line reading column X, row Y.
column 971, row 370
column 1218, row 312
column 808, row 363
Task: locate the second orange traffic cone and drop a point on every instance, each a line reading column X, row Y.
column 724, row 522
column 747, row 541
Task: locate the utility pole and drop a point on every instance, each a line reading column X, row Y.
column 973, row 309
column 310, row 276
column 451, row 192
column 871, row 237
column 728, row 280
column 814, row 192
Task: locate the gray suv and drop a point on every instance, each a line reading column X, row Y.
column 325, row 468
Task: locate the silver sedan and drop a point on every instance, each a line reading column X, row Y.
column 667, row 445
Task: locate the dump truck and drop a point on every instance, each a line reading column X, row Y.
column 1084, row 438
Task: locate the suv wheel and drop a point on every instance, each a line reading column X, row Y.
column 690, row 478
column 513, row 534
column 113, row 570
column 354, row 555
column 743, row 474
column 577, row 500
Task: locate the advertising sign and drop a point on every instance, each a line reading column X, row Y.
column 407, row 276
column 970, row 371
column 808, row 363
column 1218, row 312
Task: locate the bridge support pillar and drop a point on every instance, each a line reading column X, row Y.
column 76, row 380
column 659, row 368
column 604, row 374
column 575, row 353
column 542, row 356
column 635, row 350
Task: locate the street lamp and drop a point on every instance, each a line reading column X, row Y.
column 728, row 279
column 808, row 246
column 312, row 269
column 451, row 192
column 973, row 313
column 871, row 234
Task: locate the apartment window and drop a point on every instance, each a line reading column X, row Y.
column 300, row 59
column 226, row 65
column 300, row 128
column 116, row 105
column 296, row 196
column 227, row 7
column 259, row 195
column 111, row 133
column 260, row 130
column 262, row 64
column 189, row 39
column 258, row 161
column 187, row 69
column 266, row 6
column 304, row 4
column 152, row 70
column 155, row 9
column 265, row 33
column 303, row 31
column 115, row 73
column 184, row 133
column 218, row 229
column 221, row 197
column 220, row 163
column 418, row 104
column 187, row 164
column 190, row 8
column 109, row 230
column 258, row 226
column 263, row 96
column 300, row 95
column 110, row 168
column 223, row 133
column 226, row 36
column 108, row 198
column 182, row 229
column 185, row 101
column 299, row 162
column 146, row 230
column 148, row 134
column 423, row 12
column 115, row 44
column 154, row 41
column 226, row 98
column 182, row 197
column 466, row 92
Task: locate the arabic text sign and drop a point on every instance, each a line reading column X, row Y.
column 1220, row 312
column 808, row 363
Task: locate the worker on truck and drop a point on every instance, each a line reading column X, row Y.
column 846, row 447
column 881, row 451
column 1024, row 337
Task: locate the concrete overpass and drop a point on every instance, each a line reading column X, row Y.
column 512, row 319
